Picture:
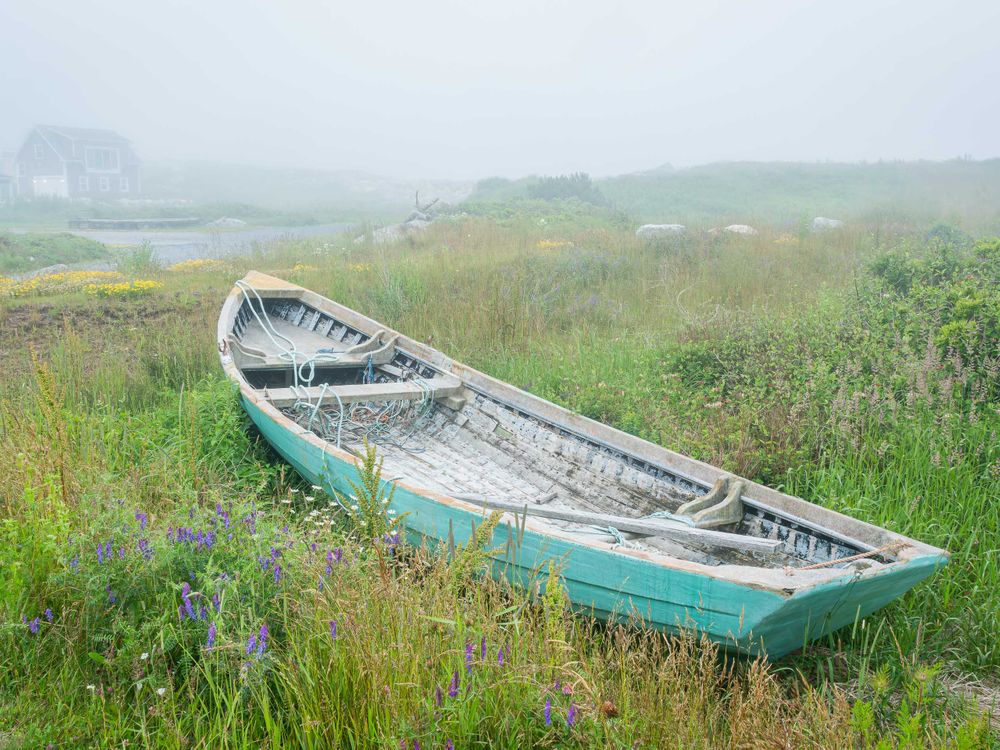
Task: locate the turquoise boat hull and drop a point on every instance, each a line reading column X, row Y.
column 741, row 617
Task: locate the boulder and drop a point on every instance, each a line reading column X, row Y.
column 655, row 231
column 821, row 223
column 740, row 229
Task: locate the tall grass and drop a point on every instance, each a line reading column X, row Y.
column 765, row 355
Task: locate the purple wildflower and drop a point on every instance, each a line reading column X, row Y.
column 191, row 514
column 333, row 630
column 262, row 641
column 252, row 643
column 100, row 554
column 277, row 574
column 142, row 518
column 107, row 551
column 202, row 614
column 453, row 688
column 337, row 554
column 571, row 715
column 48, row 615
column 482, row 648
column 320, row 584
column 112, row 597
column 34, row 625
column 468, row 657
column 548, row 712
column 500, row 656
column 416, row 745
column 216, row 602
column 180, row 613
column 448, row 745
column 74, row 563
column 211, row 636
column 121, row 553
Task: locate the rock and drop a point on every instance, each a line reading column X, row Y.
column 740, row 229
column 655, row 231
column 225, row 221
column 57, row 268
column 821, row 223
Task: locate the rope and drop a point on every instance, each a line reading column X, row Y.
column 885, row 549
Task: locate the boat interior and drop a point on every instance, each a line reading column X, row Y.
column 438, row 432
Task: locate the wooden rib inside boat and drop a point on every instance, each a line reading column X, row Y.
column 640, row 530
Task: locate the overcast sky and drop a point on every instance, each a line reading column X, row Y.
column 473, row 88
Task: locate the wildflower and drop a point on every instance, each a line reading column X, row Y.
column 482, row 648
column 121, row 553
column 107, row 551
column 277, row 574
column 548, row 712
column 216, row 602
column 571, row 715
column 567, row 689
column 333, row 630
column 145, row 655
column 453, row 688
column 91, row 688
column 262, row 641
column 112, row 597
column 100, row 555
column 251, row 643
column 202, row 614
column 74, row 563
column 448, row 745
column 142, row 518
column 437, row 695
column 211, row 636
column 468, row 657
column 161, row 691
column 34, row 625
column 416, row 745
column 180, row 613
column 500, row 656
column 48, row 615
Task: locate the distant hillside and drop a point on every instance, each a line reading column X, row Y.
column 966, row 192
column 337, row 194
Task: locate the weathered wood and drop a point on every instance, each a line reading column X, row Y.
column 645, row 526
column 407, row 391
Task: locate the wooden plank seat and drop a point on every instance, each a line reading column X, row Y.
column 373, row 350
column 439, row 387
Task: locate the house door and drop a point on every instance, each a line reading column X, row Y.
column 50, row 187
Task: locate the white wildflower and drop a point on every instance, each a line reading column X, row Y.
column 161, row 691
column 145, row 655
column 310, row 499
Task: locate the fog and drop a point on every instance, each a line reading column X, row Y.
column 469, row 89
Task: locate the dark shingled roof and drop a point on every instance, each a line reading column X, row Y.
column 69, row 142
column 95, row 135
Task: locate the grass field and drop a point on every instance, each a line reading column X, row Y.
column 152, row 543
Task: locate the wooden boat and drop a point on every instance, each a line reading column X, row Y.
column 638, row 529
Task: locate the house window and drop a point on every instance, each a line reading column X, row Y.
column 84, row 185
column 39, row 151
column 101, row 159
column 123, row 184
column 104, row 183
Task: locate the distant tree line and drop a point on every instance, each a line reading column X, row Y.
column 576, row 185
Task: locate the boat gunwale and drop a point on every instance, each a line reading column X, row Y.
column 783, row 581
